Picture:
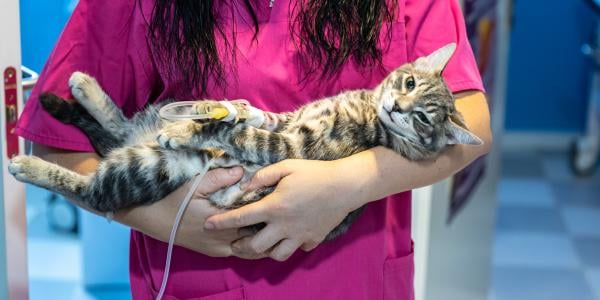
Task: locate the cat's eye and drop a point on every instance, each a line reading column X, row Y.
column 421, row 116
column 410, row 83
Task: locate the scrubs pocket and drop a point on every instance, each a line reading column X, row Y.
column 398, row 274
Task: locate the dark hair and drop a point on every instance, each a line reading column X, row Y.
column 183, row 35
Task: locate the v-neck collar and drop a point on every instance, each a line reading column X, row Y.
column 267, row 11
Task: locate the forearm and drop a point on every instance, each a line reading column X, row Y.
column 385, row 172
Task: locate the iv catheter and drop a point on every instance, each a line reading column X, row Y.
column 224, row 111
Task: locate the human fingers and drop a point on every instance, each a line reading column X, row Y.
column 217, row 179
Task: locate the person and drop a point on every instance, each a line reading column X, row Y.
column 278, row 55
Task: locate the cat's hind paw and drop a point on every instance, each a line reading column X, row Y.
column 27, row 168
column 177, row 135
column 82, row 85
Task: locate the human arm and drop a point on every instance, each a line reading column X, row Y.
column 157, row 219
column 312, row 197
column 390, row 173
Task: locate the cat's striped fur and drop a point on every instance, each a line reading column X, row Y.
column 145, row 158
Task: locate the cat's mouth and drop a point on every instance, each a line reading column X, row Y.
column 389, row 112
column 398, row 119
column 391, row 124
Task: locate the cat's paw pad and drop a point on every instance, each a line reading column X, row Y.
column 26, row 168
column 176, row 135
column 80, row 84
column 168, row 142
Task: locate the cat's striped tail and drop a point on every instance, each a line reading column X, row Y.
column 74, row 113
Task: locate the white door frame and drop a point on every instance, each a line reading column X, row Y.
column 13, row 233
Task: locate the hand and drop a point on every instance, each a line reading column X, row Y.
column 310, row 200
column 157, row 219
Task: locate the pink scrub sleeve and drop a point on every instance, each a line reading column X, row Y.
column 431, row 24
column 105, row 40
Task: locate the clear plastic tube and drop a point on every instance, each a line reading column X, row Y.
column 181, row 110
column 176, row 223
column 184, row 110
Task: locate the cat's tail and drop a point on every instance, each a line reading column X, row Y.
column 74, row 113
column 60, row 109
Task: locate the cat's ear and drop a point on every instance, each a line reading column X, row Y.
column 459, row 135
column 440, row 57
column 436, row 61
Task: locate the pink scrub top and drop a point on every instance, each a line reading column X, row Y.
column 373, row 260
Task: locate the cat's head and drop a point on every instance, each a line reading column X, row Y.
column 416, row 106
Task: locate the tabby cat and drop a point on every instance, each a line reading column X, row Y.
column 145, row 158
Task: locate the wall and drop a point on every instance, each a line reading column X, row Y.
column 548, row 76
column 42, row 22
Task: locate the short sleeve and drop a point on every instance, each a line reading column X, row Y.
column 431, row 24
column 106, row 39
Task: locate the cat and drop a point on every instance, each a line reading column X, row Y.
column 145, row 158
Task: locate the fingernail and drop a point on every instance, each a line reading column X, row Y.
column 209, row 226
column 235, row 171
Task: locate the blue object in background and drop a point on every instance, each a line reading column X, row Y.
column 548, row 76
column 42, row 22
column 104, row 250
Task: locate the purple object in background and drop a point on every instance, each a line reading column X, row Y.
column 480, row 16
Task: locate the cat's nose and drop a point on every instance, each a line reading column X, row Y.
column 397, row 108
column 405, row 106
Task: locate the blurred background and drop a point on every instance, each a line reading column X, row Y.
column 522, row 223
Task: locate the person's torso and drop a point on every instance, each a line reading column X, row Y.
column 373, row 258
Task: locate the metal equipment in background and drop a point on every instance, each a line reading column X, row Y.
column 28, row 79
column 585, row 150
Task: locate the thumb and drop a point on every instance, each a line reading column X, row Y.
column 217, row 179
column 267, row 176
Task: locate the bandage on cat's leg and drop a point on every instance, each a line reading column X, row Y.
column 214, row 110
column 231, row 111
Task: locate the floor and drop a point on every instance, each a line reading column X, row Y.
column 547, row 243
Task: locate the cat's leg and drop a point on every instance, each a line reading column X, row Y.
column 34, row 170
column 90, row 95
column 179, row 134
column 345, row 224
column 247, row 143
column 275, row 121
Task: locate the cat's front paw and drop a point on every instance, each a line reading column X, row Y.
column 27, row 168
column 177, row 135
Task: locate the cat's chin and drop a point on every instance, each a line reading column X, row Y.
column 399, row 134
column 390, row 126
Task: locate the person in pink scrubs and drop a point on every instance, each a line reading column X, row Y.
column 286, row 260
